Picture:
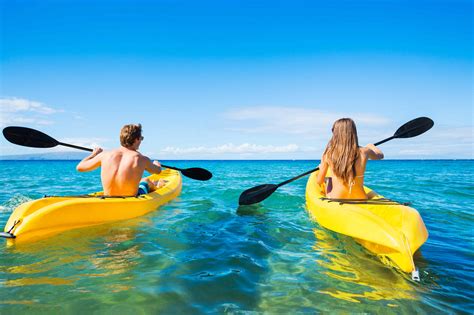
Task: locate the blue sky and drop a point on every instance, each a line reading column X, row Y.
column 239, row 79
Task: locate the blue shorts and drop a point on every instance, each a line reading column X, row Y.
column 143, row 188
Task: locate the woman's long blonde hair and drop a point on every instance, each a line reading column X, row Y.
column 342, row 150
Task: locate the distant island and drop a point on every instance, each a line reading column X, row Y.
column 45, row 156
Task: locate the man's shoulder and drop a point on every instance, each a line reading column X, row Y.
column 131, row 154
column 144, row 158
column 139, row 156
column 113, row 152
column 127, row 152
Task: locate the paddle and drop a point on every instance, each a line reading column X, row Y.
column 36, row 139
column 259, row 193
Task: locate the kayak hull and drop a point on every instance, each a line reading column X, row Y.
column 388, row 229
column 48, row 216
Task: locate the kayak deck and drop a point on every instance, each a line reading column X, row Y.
column 388, row 229
column 45, row 217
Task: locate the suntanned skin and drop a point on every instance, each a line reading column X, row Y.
column 122, row 169
column 341, row 190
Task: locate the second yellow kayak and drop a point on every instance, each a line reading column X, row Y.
column 386, row 228
column 45, row 217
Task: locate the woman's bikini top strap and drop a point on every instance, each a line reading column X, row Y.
column 352, row 183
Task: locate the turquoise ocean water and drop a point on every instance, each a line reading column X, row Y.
column 201, row 253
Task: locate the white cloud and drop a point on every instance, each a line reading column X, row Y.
column 14, row 104
column 441, row 141
column 294, row 120
column 22, row 111
column 457, row 134
column 245, row 148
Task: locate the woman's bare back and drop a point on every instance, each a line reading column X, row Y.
column 354, row 189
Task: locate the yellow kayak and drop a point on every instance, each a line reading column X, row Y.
column 45, row 217
column 391, row 230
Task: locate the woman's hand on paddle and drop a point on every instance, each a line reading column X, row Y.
column 374, row 152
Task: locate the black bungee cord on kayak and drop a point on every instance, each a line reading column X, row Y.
column 381, row 201
column 92, row 196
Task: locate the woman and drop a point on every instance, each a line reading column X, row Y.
column 346, row 162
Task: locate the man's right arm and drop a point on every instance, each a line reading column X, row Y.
column 91, row 162
column 153, row 167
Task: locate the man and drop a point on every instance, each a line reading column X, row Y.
column 122, row 168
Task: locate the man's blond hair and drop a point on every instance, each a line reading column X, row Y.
column 129, row 134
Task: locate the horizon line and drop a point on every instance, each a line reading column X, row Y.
column 249, row 160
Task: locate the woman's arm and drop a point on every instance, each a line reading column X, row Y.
column 373, row 152
column 323, row 168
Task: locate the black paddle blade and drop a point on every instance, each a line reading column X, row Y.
column 256, row 194
column 414, row 128
column 28, row 137
column 197, row 173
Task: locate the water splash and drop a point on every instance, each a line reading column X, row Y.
column 14, row 202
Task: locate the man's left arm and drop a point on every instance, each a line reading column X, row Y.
column 153, row 167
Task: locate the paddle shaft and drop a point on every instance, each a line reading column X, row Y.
column 75, row 146
column 297, row 177
column 385, row 140
column 173, row 168
column 418, row 126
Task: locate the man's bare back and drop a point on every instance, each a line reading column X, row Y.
column 122, row 168
column 121, row 171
